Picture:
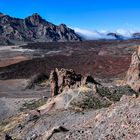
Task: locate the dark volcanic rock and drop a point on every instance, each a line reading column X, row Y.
column 80, row 56
column 117, row 36
column 34, row 29
column 7, row 137
column 136, row 35
column 88, row 79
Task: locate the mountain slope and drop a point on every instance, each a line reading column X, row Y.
column 33, row 29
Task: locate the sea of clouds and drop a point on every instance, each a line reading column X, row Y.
column 93, row 34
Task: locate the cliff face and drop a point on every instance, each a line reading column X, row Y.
column 133, row 74
column 33, row 29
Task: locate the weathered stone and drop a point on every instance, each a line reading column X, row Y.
column 60, row 79
column 54, row 83
column 133, row 74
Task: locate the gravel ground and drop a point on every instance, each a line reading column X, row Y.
column 11, row 106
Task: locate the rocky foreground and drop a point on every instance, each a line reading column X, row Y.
column 80, row 107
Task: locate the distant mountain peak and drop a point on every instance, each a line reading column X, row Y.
column 36, row 16
column 34, row 29
column 1, row 14
column 62, row 24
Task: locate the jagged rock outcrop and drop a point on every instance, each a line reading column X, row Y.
column 70, row 90
column 33, row 29
column 77, row 109
column 59, row 79
column 133, row 74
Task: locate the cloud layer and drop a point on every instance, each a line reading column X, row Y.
column 93, row 35
column 90, row 35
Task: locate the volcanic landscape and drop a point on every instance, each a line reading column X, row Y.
column 102, row 58
column 106, row 60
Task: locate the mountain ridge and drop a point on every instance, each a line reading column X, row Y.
column 33, row 29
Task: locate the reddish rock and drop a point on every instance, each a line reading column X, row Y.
column 59, row 79
column 133, row 74
column 54, row 83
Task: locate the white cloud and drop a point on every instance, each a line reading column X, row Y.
column 92, row 35
column 125, row 33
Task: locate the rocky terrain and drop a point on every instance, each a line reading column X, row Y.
column 86, row 110
column 78, row 90
column 15, row 31
column 103, row 59
column 133, row 74
column 79, row 107
column 33, row 29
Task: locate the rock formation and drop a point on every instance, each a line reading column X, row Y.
column 54, row 83
column 59, row 79
column 74, row 113
column 33, row 29
column 133, row 74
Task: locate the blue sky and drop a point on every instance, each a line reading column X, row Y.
column 85, row 14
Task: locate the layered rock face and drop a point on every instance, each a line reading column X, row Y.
column 33, row 29
column 133, row 74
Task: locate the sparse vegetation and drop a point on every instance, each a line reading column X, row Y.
column 36, row 80
column 116, row 92
column 33, row 104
